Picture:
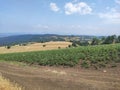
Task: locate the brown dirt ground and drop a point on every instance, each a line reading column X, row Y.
column 59, row 78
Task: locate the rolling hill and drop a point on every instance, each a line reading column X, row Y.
column 17, row 39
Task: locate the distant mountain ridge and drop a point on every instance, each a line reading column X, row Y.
column 17, row 39
column 8, row 34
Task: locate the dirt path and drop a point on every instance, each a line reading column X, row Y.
column 52, row 78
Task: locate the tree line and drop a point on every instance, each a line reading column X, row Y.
column 106, row 40
column 98, row 41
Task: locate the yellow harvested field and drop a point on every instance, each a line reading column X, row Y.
column 7, row 85
column 36, row 47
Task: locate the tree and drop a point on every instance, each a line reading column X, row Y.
column 84, row 43
column 95, row 41
column 74, row 44
column 8, row 47
column 118, row 39
column 69, row 46
column 110, row 39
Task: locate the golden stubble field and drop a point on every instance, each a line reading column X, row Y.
column 5, row 84
column 36, row 47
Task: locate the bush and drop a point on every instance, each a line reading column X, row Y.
column 8, row 47
column 69, row 46
column 44, row 45
column 85, row 64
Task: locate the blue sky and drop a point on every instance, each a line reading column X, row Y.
column 81, row 17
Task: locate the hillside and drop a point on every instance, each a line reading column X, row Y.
column 35, row 47
column 17, row 39
column 7, row 34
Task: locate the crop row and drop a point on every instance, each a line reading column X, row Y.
column 99, row 55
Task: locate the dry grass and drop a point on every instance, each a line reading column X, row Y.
column 35, row 47
column 7, row 85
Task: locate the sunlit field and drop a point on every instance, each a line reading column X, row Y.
column 7, row 85
column 35, row 47
column 95, row 56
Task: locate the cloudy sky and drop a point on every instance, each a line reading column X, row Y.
column 81, row 17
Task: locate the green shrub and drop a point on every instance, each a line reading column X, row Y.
column 85, row 64
column 8, row 47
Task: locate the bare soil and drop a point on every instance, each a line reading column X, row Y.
column 59, row 78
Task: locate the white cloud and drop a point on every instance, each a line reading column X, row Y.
column 54, row 7
column 82, row 8
column 39, row 26
column 112, row 16
column 117, row 1
column 75, row 26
